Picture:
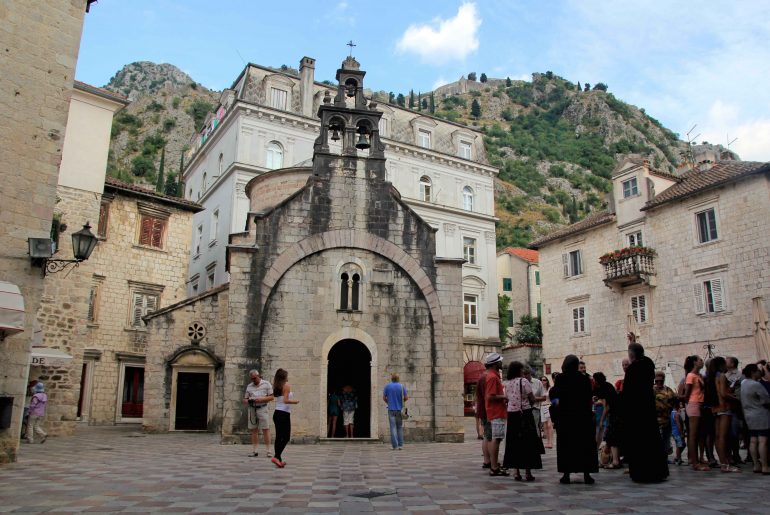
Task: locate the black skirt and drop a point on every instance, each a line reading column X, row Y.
column 523, row 446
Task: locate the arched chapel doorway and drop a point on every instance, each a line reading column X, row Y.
column 349, row 364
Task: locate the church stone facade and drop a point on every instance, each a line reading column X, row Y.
column 337, row 281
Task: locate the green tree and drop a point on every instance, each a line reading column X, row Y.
column 530, row 330
column 432, row 105
column 391, row 98
column 483, row 77
column 198, row 111
column 508, row 82
column 476, row 109
column 419, row 101
column 172, row 186
column 503, row 305
column 587, row 87
column 600, row 86
column 579, row 88
column 411, row 99
column 472, row 76
column 159, row 185
column 142, row 166
column 400, row 100
column 424, row 104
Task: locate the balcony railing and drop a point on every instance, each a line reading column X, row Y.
column 628, row 266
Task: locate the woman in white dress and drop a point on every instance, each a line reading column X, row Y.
column 545, row 415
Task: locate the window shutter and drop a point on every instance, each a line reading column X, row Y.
column 565, row 264
column 91, row 305
column 151, row 304
column 157, row 233
column 136, row 319
column 104, row 215
column 717, row 293
column 635, row 308
column 145, row 231
column 582, row 320
column 698, row 291
column 579, row 262
column 642, row 309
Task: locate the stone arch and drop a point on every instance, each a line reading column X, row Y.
column 359, row 240
column 349, row 333
column 192, row 361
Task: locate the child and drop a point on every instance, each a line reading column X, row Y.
column 677, row 432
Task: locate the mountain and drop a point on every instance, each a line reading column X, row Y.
column 554, row 141
column 167, row 107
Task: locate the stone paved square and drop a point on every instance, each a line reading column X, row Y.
column 119, row 469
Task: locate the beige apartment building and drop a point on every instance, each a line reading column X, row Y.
column 681, row 261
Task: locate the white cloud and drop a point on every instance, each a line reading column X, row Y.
column 341, row 15
column 442, row 41
column 751, row 137
column 440, row 82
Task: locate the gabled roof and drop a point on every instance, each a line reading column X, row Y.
column 528, row 255
column 109, row 95
column 116, row 184
column 696, row 181
column 589, row 222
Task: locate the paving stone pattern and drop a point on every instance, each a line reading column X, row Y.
column 119, row 469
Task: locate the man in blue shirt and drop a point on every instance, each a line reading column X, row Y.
column 395, row 396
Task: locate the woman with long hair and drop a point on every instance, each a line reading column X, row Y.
column 523, row 445
column 282, row 415
column 718, row 396
column 694, row 397
column 545, row 414
column 606, row 392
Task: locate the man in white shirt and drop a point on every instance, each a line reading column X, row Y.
column 538, row 390
column 258, row 393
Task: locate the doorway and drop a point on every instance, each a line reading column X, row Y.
column 192, row 401
column 132, row 398
column 350, row 364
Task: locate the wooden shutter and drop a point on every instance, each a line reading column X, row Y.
column 92, row 305
column 578, row 262
column 698, row 292
column 138, row 306
column 582, row 313
column 104, row 216
column 565, row 264
column 151, row 304
column 717, row 292
column 145, row 231
column 157, row 233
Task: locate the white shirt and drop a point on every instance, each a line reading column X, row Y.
column 263, row 389
column 538, row 390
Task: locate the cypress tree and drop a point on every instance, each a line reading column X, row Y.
column 159, row 184
column 432, row 106
column 508, row 82
column 476, row 109
column 411, row 99
column 419, row 101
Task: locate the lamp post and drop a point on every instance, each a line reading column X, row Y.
column 83, row 244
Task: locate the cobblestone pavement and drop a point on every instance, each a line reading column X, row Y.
column 118, row 469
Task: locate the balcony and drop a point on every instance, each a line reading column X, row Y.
column 628, row 266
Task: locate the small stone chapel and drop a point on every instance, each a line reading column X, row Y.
column 334, row 279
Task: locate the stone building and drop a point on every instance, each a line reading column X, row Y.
column 61, row 320
column 266, row 121
column 518, row 278
column 689, row 270
column 335, row 279
column 40, row 42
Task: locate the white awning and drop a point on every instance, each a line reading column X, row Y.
column 11, row 309
column 44, row 357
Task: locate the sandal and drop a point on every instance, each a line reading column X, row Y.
column 517, row 477
column 701, row 467
column 277, row 463
column 498, row 472
column 529, row 478
column 730, row 468
column 486, row 465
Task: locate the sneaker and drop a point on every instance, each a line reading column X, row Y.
column 254, row 454
column 400, row 448
column 269, row 454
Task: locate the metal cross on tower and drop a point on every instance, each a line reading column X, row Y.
column 351, row 45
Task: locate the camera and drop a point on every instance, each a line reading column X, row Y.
column 252, row 403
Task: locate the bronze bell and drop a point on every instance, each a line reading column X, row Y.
column 363, row 142
column 335, row 133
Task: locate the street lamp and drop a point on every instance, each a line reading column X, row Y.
column 83, row 243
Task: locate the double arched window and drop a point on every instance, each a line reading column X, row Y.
column 274, row 155
column 426, row 187
column 350, row 291
column 468, row 198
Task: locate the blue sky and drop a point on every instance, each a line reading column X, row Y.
column 704, row 63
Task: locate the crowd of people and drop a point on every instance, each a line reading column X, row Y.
column 639, row 424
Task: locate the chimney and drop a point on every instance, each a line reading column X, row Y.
column 306, row 81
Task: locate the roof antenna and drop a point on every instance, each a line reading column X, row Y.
column 239, row 55
column 730, row 142
column 689, row 157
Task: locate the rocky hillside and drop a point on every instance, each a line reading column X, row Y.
column 167, row 108
column 555, row 142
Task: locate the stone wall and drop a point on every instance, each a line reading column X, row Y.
column 40, row 42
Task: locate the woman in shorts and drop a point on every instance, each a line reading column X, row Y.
column 694, row 397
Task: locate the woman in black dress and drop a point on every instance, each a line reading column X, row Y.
column 575, row 442
column 643, row 446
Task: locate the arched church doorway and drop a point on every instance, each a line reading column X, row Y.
column 350, row 365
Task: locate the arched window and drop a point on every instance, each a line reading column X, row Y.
column 468, row 198
column 355, row 289
column 274, row 157
column 221, row 163
column 344, row 279
column 425, row 188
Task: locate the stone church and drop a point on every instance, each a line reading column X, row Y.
column 334, row 279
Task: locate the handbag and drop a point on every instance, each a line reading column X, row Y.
column 405, row 413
